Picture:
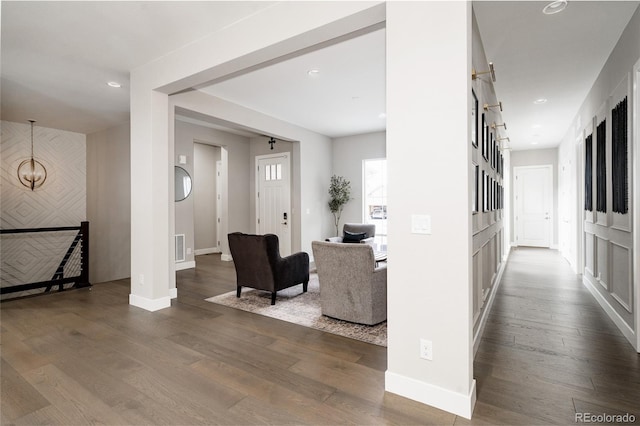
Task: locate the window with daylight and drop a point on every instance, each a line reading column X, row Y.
column 273, row 172
column 375, row 199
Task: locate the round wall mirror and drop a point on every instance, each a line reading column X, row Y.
column 183, row 183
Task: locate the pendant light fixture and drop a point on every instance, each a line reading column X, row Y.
column 31, row 172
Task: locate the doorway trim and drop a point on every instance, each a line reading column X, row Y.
column 516, row 208
column 635, row 144
column 257, row 159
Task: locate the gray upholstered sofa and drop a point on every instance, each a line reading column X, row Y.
column 352, row 288
column 356, row 228
column 259, row 265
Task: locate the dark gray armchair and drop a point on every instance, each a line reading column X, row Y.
column 259, row 265
column 356, row 228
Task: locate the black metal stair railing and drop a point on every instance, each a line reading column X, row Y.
column 73, row 266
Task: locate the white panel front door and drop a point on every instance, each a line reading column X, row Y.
column 273, row 212
column 533, row 205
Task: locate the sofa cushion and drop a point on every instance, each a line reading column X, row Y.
column 353, row 237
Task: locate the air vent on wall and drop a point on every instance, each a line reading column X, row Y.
column 180, row 254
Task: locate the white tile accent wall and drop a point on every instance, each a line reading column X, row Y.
column 61, row 201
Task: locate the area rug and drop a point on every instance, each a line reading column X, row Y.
column 303, row 309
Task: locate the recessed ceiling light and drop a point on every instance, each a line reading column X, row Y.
column 555, row 7
column 382, row 115
column 540, row 101
column 534, row 143
column 114, row 84
column 536, row 126
column 313, row 72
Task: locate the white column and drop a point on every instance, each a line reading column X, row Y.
column 150, row 227
column 428, row 155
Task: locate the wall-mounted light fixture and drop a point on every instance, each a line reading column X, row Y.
column 503, row 145
column 487, row 106
column 271, row 142
column 475, row 74
column 494, row 125
column 31, row 172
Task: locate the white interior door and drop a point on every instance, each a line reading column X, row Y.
column 533, row 199
column 273, row 198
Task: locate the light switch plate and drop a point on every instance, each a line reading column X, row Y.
column 420, row 224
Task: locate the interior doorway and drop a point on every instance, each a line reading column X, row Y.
column 273, row 198
column 533, row 211
column 208, row 200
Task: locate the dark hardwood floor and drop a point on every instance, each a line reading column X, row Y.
column 86, row 356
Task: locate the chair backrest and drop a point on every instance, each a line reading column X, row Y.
column 367, row 228
column 254, row 256
column 338, row 263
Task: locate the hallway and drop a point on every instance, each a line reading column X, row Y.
column 549, row 351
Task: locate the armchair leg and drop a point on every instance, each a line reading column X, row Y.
column 305, row 285
column 238, row 291
column 273, row 298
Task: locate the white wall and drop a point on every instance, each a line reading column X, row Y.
column 537, row 157
column 567, row 203
column 607, row 248
column 237, row 210
column 348, row 155
column 109, row 204
column 185, row 134
column 429, row 289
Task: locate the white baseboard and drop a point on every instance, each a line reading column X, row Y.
column 226, row 257
column 435, row 396
column 210, row 250
column 151, row 305
column 611, row 312
column 173, row 293
column 185, row 265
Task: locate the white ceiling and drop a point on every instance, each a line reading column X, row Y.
column 58, row 56
column 346, row 96
column 557, row 57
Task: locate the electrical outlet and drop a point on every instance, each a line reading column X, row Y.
column 188, row 250
column 426, row 349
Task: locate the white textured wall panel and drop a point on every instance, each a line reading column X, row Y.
column 61, row 201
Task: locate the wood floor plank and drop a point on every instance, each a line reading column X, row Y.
column 259, row 365
column 19, row 397
column 309, row 410
column 76, row 402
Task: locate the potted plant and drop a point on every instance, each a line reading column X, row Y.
column 340, row 194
